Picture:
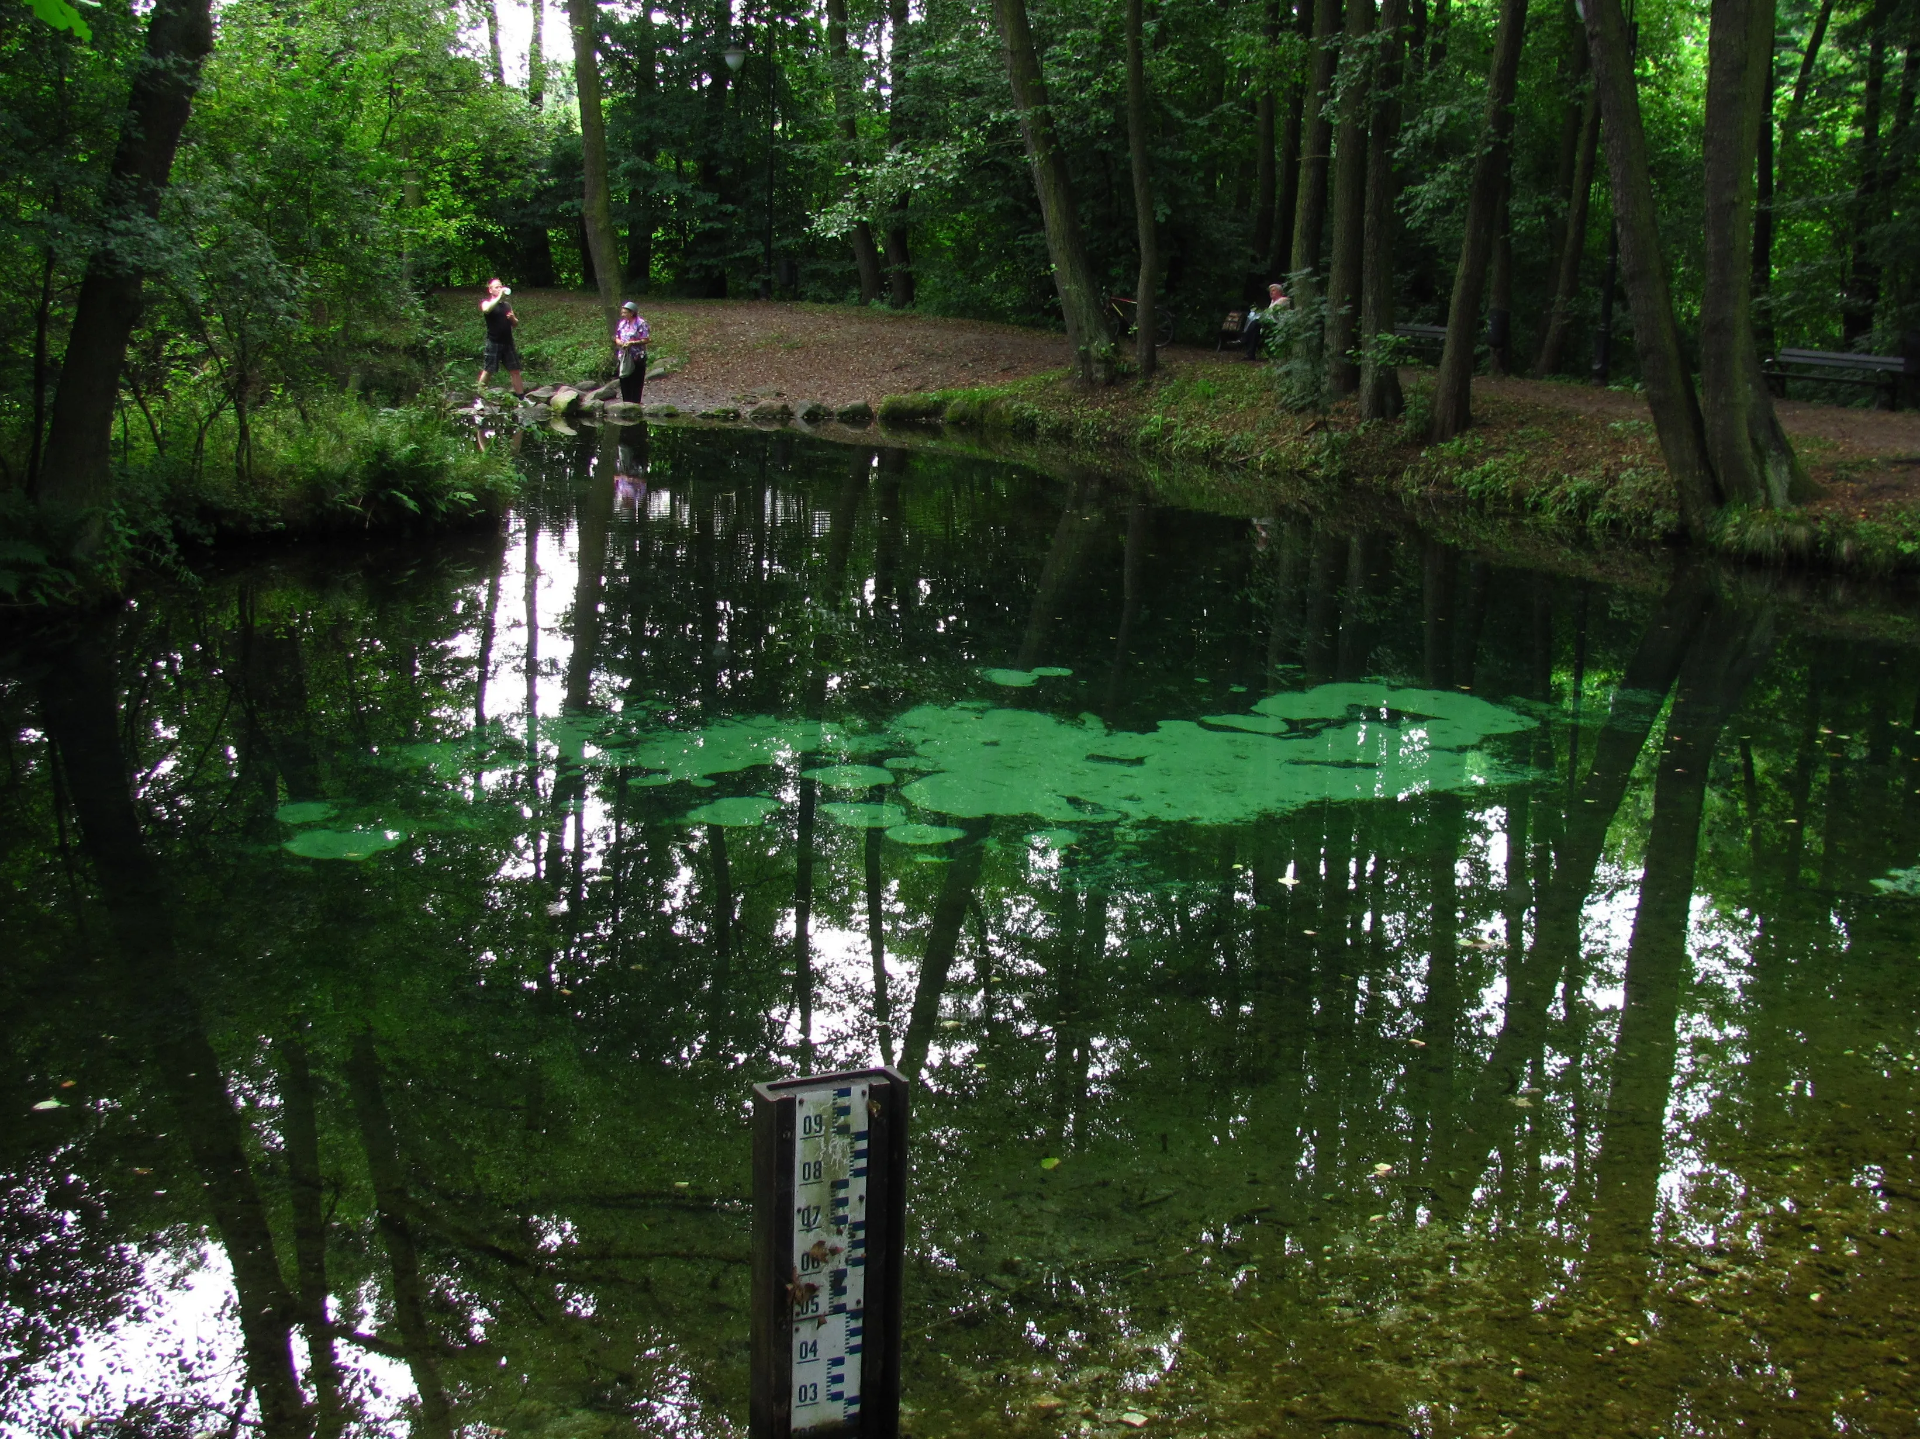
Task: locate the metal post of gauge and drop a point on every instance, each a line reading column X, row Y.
column 829, row 1231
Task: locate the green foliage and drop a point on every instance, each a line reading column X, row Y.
column 62, row 16
column 1294, row 339
column 336, row 463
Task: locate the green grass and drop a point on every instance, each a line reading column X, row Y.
column 561, row 337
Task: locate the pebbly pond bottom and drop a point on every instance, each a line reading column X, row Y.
column 1352, row 987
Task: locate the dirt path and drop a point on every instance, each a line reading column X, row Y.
column 750, row 350
column 739, row 352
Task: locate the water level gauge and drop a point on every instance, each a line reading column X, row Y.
column 829, row 1204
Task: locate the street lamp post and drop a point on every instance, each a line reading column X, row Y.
column 736, row 56
column 773, row 90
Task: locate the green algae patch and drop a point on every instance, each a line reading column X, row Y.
column 738, row 812
column 1023, row 679
column 343, row 843
column 865, row 816
column 971, row 760
column 924, row 833
column 1055, row 838
column 733, row 745
column 850, row 776
column 1296, row 749
column 310, row 811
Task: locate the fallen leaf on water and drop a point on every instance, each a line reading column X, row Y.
column 1383, row 1169
column 66, row 1084
column 1049, row 1163
column 1134, row 1419
column 1418, row 1043
column 56, row 1104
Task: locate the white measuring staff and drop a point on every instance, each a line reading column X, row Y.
column 828, row 1289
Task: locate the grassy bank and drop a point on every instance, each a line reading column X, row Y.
column 337, row 465
column 561, row 337
column 1566, row 467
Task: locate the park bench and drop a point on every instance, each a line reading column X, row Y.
column 1233, row 330
column 1434, row 335
column 1884, row 373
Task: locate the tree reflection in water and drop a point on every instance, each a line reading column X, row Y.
column 1567, row 1091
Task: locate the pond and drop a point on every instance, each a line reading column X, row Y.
column 1352, row 986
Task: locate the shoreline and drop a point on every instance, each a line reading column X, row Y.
column 1574, row 464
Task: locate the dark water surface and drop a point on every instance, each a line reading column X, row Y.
column 1354, row 988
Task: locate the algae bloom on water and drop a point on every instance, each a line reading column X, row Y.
column 1294, row 749
column 1335, row 742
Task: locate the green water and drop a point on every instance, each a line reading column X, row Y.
column 1353, row 987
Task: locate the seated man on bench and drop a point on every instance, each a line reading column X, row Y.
column 1259, row 322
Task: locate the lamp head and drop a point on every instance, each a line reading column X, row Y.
column 735, row 57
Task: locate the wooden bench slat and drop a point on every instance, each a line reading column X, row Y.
column 1886, row 373
column 1841, row 360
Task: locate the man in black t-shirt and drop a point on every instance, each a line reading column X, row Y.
column 500, row 353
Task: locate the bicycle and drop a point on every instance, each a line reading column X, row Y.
column 1123, row 308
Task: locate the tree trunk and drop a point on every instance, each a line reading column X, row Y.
column 392, row 1205
column 1724, row 658
column 75, row 480
column 1453, row 393
column 1349, row 201
column 866, row 257
column 494, row 67
column 1663, row 366
column 899, row 259
column 1804, row 80
column 1437, row 36
column 1072, row 275
column 640, row 199
column 300, row 1133
column 1380, row 397
column 81, row 715
column 1573, row 239
column 1752, row 463
column 1286, row 202
column 596, row 211
column 1137, row 141
column 705, row 240
column 1310, row 210
column 943, row 942
column 1760, row 281
column 1265, row 172
column 1500, row 284
column 1574, row 74
column 1862, row 292
column 536, row 55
